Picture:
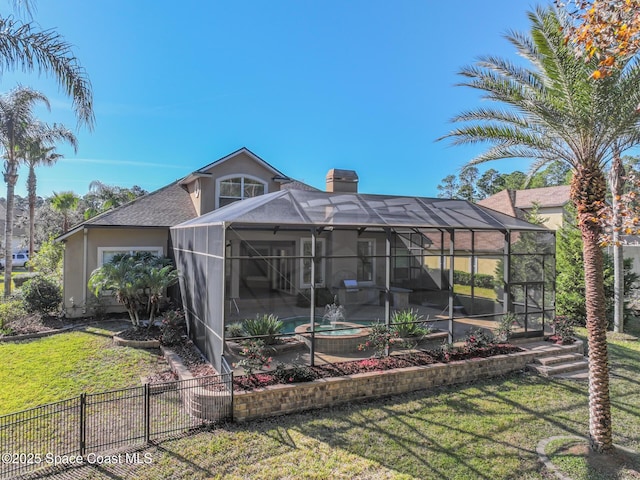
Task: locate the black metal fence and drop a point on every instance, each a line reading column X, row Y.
column 75, row 430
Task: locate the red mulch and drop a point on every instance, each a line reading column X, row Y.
column 259, row 380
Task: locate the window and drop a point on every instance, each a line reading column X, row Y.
column 234, row 188
column 105, row 254
column 306, row 262
column 366, row 262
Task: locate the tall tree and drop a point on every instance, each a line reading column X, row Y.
column 64, row 202
column 37, row 152
column 17, row 128
column 490, row 183
column 449, row 187
column 102, row 197
column 551, row 110
column 605, row 30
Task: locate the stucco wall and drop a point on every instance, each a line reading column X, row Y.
column 74, row 286
column 242, row 165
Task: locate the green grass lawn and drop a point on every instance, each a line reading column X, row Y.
column 486, row 430
column 53, row 368
column 477, row 291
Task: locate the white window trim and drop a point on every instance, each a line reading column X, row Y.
column 320, row 250
column 130, row 250
column 242, row 176
column 372, row 242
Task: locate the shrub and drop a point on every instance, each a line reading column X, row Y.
column 409, row 323
column 563, row 329
column 254, row 357
column 41, row 295
column 380, row 339
column 505, row 327
column 266, row 326
column 172, row 327
column 235, row 330
column 479, row 279
column 9, row 312
column 296, row 374
column 477, row 338
column 48, row 259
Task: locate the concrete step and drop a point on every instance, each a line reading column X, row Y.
column 559, row 368
column 565, row 358
column 546, row 349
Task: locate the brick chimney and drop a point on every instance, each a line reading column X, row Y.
column 339, row 180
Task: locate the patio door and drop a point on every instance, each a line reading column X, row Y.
column 282, row 272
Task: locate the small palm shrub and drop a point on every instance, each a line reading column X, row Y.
column 409, row 323
column 41, row 295
column 266, row 326
column 235, row 330
column 172, row 327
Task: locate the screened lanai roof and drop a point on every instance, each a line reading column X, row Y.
column 288, row 208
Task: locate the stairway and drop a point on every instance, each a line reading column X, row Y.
column 561, row 361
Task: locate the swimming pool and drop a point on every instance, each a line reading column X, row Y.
column 290, row 324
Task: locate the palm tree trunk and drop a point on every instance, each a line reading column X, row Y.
column 588, row 190
column 10, row 177
column 31, row 189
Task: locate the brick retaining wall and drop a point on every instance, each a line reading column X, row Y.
column 281, row 399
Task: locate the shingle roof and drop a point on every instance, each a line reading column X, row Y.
column 500, row 202
column 298, row 185
column 544, row 197
column 513, row 202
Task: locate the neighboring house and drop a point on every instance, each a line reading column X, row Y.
column 143, row 224
column 550, row 203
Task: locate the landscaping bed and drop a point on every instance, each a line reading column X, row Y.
column 303, row 373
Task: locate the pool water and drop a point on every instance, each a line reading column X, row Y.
column 291, row 323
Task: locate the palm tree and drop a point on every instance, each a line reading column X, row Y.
column 64, row 202
column 17, row 128
column 24, row 46
column 551, row 110
column 38, row 153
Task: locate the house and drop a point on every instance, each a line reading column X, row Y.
column 248, row 240
column 549, row 202
column 291, row 253
column 143, row 224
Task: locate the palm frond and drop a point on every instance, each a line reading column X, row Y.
column 25, row 47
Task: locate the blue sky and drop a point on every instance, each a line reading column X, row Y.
column 306, row 85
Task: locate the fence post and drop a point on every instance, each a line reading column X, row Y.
column 231, row 389
column 147, row 413
column 83, row 423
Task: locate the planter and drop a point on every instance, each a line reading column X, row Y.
column 201, row 402
column 288, row 346
column 427, row 342
column 326, row 392
column 123, row 342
